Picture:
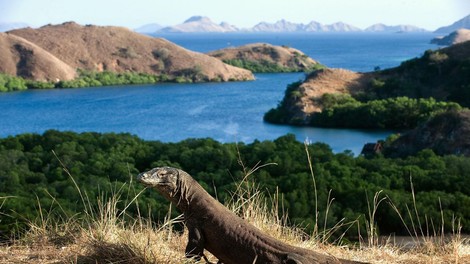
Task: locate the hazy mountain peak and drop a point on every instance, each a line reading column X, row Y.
column 198, row 19
column 148, row 28
column 379, row 27
column 199, row 24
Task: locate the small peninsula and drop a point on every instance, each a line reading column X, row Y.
column 263, row 57
column 438, row 81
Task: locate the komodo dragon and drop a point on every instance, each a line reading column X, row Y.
column 213, row 227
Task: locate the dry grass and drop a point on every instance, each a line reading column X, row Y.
column 115, row 241
column 105, row 234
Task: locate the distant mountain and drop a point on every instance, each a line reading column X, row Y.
column 455, row 37
column 199, row 24
column 314, row 26
column 148, row 28
column 279, row 26
column 393, row 29
column 10, row 26
column 462, row 23
column 342, row 27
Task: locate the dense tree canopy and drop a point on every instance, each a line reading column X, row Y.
column 105, row 78
column 32, row 174
column 395, row 113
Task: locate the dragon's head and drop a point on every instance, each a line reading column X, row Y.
column 163, row 179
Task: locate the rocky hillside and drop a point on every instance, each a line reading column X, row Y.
column 445, row 134
column 19, row 57
column 118, row 49
column 455, row 37
column 262, row 57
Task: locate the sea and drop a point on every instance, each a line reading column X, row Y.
column 226, row 112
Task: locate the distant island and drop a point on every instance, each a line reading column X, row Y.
column 201, row 24
column 264, row 57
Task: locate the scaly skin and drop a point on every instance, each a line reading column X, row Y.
column 213, row 227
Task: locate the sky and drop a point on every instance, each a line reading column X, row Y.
column 428, row 14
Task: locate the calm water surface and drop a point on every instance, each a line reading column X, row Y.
column 227, row 112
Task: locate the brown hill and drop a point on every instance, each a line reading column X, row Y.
column 329, row 81
column 445, row 134
column 303, row 99
column 281, row 57
column 20, row 57
column 120, row 50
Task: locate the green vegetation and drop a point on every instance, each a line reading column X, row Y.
column 265, row 66
column 32, row 174
column 281, row 114
column 106, row 78
column 262, row 66
column 343, row 111
column 395, row 113
column 10, row 83
column 436, row 74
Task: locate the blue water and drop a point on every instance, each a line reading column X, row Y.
column 227, row 112
column 355, row 51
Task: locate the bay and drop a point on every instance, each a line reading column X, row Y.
column 226, row 112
